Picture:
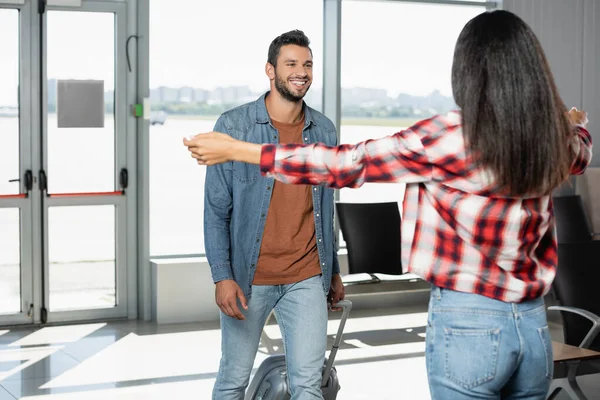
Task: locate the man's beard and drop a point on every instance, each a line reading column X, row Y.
column 280, row 85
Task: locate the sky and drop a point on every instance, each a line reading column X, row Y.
column 81, row 45
column 397, row 46
column 401, row 47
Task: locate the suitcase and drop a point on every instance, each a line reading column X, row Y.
column 270, row 381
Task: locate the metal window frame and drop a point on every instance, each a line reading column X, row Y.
column 332, row 39
column 331, row 106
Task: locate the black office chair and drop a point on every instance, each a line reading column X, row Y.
column 572, row 223
column 372, row 235
column 576, row 288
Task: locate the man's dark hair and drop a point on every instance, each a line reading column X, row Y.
column 515, row 124
column 296, row 37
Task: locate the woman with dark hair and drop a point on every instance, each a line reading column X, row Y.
column 477, row 214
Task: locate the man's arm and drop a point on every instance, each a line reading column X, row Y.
column 218, row 202
column 337, row 290
column 335, row 269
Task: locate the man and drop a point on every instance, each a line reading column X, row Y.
column 271, row 245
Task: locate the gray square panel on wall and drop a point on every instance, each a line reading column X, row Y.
column 80, row 103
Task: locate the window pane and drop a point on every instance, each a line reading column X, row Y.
column 81, row 46
column 199, row 68
column 10, row 261
column 81, row 249
column 9, row 102
column 395, row 72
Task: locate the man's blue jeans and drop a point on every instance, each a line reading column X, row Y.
column 481, row 348
column 301, row 311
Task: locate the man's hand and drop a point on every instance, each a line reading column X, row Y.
column 226, row 295
column 337, row 291
column 578, row 117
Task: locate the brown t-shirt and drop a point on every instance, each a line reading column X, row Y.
column 288, row 252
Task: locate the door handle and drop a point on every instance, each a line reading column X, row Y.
column 28, row 180
column 124, row 178
column 43, row 182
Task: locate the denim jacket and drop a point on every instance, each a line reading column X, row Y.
column 237, row 197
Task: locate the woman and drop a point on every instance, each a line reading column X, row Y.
column 478, row 218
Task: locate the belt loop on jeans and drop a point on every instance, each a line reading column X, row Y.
column 515, row 310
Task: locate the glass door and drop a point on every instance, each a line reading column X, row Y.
column 84, row 170
column 16, row 178
column 65, row 236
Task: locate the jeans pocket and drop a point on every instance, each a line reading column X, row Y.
column 544, row 334
column 471, row 355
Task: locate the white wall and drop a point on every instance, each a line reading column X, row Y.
column 569, row 31
column 183, row 290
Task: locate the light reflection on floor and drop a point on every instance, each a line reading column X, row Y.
column 381, row 358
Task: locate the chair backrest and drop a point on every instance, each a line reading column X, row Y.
column 572, row 223
column 372, row 235
column 577, row 284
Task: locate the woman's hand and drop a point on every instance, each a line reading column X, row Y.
column 211, row 148
column 578, row 117
column 217, row 148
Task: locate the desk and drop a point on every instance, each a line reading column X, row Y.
column 571, row 356
column 564, row 352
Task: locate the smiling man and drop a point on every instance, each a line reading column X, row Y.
column 271, row 245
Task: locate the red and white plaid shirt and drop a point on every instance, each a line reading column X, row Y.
column 457, row 232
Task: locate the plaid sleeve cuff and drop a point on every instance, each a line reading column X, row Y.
column 267, row 158
column 585, row 134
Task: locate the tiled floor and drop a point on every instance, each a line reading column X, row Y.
column 381, row 358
